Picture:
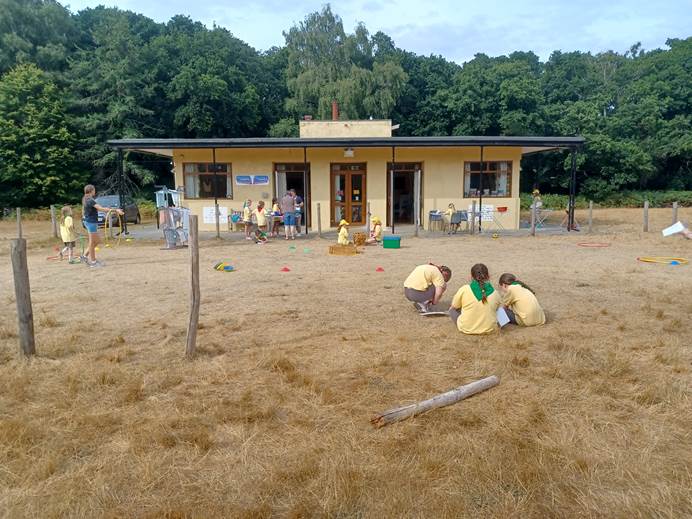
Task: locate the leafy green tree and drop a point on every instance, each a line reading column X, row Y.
column 325, row 64
column 37, row 165
column 36, row 31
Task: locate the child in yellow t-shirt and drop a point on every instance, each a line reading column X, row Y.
column 343, row 238
column 67, row 233
column 260, row 215
column 375, row 231
column 474, row 306
column 276, row 218
column 247, row 218
column 520, row 302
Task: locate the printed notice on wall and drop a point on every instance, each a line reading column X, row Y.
column 208, row 215
column 486, row 213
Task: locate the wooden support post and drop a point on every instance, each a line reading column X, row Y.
column 53, row 221
column 218, row 215
column 473, row 217
column 319, row 220
column 590, row 216
column 533, row 218
column 367, row 220
column 416, row 201
column 442, row 400
column 193, row 324
column 646, row 216
column 675, row 212
column 22, row 294
column 19, row 222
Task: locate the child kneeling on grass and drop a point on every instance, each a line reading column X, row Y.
column 474, row 307
column 425, row 285
column 520, row 302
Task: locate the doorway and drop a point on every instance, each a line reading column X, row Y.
column 348, row 196
column 404, row 191
column 294, row 176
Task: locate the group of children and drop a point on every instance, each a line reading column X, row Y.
column 475, row 305
column 374, row 236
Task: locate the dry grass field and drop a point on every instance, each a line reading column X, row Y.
column 592, row 417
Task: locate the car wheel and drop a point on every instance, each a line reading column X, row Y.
column 138, row 219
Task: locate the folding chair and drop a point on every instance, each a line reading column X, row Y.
column 496, row 217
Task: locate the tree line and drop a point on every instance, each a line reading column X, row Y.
column 71, row 81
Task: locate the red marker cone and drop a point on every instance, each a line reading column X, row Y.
column 379, row 269
column 285, row 269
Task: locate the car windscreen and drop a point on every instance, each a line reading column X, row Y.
column 108, row 201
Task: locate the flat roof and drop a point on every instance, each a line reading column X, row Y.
column 528, row 144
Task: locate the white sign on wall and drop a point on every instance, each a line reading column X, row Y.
column 209, row 214
column 486, row 212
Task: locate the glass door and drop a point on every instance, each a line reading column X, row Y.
column 348, row 194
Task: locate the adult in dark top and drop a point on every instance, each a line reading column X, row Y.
column 90, row 218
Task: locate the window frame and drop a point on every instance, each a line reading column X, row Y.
column 209, row 171
column 489, row 167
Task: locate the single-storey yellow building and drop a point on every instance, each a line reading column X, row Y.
column 341, row 168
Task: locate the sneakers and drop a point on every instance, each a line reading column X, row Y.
column 422, row 307
column 95, row 264
column 248, row 238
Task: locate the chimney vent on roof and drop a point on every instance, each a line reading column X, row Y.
column 307, row 118
column 335, row 111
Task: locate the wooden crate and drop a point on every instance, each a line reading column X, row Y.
column 343, row 250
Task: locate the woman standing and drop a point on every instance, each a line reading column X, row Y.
column 90, row 218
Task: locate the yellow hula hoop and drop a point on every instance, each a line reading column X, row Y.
column 663, row 259
column 108, row 225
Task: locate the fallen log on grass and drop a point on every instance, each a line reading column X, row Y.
column 450, row 397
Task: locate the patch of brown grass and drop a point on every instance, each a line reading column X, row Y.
column 591, row 418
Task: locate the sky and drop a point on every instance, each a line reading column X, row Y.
column 456, row 30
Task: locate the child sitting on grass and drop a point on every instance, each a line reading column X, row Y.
column 375, row 231
column 520, row 302
column 343, row 238
column 68, row 234
column 474, row 307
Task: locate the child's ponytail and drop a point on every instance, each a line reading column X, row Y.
column 511, row 279
column 479, row 272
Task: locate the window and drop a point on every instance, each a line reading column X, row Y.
column 497, row 179
column 199, row 180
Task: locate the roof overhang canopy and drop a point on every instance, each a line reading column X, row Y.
column 165, row 147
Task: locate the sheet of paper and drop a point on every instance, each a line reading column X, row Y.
column 673, row 229
column 502, row 317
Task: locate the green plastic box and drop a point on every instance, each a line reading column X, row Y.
column 391, row 242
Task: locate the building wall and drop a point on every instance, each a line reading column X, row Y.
column 375, row 128
column 442, row 178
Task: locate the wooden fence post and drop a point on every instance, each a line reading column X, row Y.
column 194, row 296
column 53, row 221
column 19, row 222
column 319, row 220
column 533, row 218
column 218, row 215
column 367, row 220
column 473, row 217
column 675, row 212
column 22, row 294
column 646, row 216
column 590, row 216
column 416, row 201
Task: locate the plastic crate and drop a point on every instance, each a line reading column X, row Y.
column 391, row 242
